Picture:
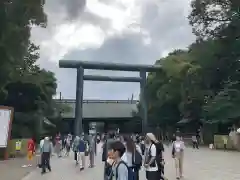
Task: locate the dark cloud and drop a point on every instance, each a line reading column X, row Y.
column 64, row 11
column 74, row 7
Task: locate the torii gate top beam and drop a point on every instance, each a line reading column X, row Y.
column 107, row 66
column 111, row 78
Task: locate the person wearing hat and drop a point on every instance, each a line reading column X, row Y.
column 150, row 162
column 46, row 151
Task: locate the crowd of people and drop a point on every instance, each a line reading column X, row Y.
column 123, row 155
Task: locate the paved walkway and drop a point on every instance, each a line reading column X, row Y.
column 198, row 165
column 12, row 169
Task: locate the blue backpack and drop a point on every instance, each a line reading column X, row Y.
column 137, row 160
column 131, row 174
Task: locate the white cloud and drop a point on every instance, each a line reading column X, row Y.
column 121, row 13
column 124, row 16
column 121, row 31
column 73, row 36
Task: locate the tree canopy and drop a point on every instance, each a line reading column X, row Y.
column 23, row 84
column 202, row 82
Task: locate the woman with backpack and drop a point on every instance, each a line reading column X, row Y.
column 132, row 157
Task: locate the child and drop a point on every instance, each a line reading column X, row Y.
column 225, row 142
column 31, row 150
column 194, row 142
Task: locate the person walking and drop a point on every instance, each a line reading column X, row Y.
column 177, row 154
column 92, row 148
column 194, row 142
column 68, row 145
column 58, row 144
column 31, row 151
column 46, row 151
column 40, row 146
column 75, row 148
column 81, row 152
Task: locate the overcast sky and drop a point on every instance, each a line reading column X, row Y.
column 122, row 31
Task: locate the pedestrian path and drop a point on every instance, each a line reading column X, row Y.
column 198, row 165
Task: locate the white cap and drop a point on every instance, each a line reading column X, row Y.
column 151, row 136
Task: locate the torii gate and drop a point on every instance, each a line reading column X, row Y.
column 81, row 65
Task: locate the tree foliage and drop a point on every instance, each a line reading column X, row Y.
column 23, row 84
column 201, row 82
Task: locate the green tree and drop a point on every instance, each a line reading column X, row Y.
column 17, row 18
column 23, row 84
column 174, row 92
column 218, row 23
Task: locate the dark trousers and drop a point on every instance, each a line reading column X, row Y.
column 136, row 174
column 225, row 146
column 195, row 144
column 107, row 171
column 45, row 161
column 152, row 175
column 143, row 149
column 91, row 158
column 75, row 156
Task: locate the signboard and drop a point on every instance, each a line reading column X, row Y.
column 18, row 145
column 5, row 124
